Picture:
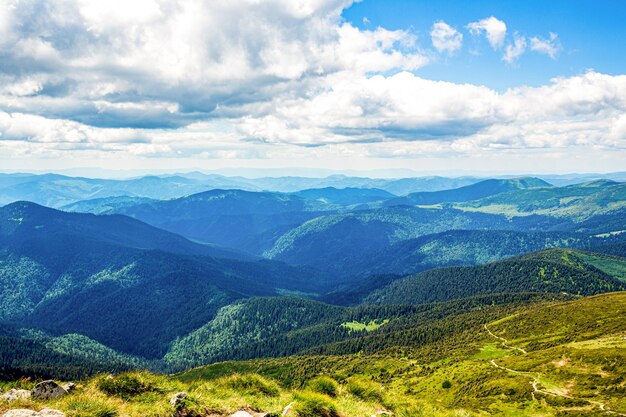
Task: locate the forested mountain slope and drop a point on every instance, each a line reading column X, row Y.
column 78, row 273
column 552, row 271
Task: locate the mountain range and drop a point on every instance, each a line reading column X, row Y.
column 167, row 282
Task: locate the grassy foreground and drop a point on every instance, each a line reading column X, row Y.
column 550, row 359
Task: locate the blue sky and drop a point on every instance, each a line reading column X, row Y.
column 592, row 34
column 438, row 86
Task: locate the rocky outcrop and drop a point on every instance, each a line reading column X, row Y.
column 15, row 394
column 48, row 390
column 46, row 412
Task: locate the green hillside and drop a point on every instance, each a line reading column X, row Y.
column 467, row 247
column 76, row 273
column 552, row 358
column 578, row 202
column 335, row 241
column 555, row 270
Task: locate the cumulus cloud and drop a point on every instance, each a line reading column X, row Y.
column 576, row 111
column 514, row 50
column 191, row 79
column 198, row 54
column 493, row 28
column 550, row 46
column 446, row 38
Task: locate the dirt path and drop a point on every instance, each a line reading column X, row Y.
column 504, row 341
column 535, row 379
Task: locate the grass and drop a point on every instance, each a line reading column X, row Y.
column 609, row 264
column 324, row 385
column 491, row 351
column 355, row 326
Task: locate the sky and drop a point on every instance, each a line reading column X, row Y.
column 385, row 85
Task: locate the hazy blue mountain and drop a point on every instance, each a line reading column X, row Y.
column 244, row 220
column 471, row 192
column 105, row 205
column 571, row 179
column 344, row 196
column 25, row 221
column 396, row 186
column 57, row 190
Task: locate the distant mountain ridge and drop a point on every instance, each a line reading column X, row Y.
column 471, row 192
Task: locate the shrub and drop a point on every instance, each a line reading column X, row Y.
column 125, row 386
column 446, row 384
column 252, row 384
column 324, row 385
column 364, row 389
column 313, row 404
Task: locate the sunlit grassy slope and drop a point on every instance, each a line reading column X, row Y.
column 545, row 359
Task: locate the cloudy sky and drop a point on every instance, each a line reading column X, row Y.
column 529, row 86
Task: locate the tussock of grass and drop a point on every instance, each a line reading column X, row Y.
column 364, row 389
column 324, row 385
column 91, row 408
column 126, row 385
column 252, row 384
column 313, row 404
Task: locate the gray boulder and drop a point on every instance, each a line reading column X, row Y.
column 48, row 390
column 177, row 399
column 15, row 394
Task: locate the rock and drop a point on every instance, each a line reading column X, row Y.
column 241, row 413
column 20, row 413
column 69, row 387
column 15, row 394
column 48, row 390
column 46, row 412
column 287, row 410
column 177, row 399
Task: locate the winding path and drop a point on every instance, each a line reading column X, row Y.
column 535, row 380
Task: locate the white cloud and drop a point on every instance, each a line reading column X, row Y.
column 446, row 38
column 191, row 79
column 200, row 55
column 578, row 111
column 550, row 46
column 514, row 50
column 494, row 29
